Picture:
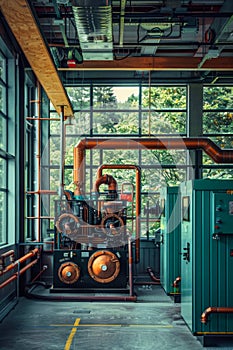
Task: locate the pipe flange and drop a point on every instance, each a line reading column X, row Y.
column 69, row 272
column 67, row 223
column 112, row 224
column 104, row 266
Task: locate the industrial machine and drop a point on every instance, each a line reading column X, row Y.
column 207, row 256
column 91, row 241
column 170, row 265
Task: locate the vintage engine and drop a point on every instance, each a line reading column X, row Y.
column 91, row 250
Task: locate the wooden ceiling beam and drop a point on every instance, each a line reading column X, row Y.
column 24, row 26
column 157, row 63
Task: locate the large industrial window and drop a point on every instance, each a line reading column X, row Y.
column 7, row 148
column 3, row 151
column 218, row 125
column 128, row 112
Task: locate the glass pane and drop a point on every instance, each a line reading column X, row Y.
column 3, row 236
column 54, row 124
column 107, row 97
column 164, row 97
column 55, row 153
column 2, row 133
column 218, row 122
column 120, row 157
column 155, row 179
column 2, row 173
column 80, row 124
column 164, row 157
column 217, row 97
column 163, row 123
column 115, row 123
column 54, row 180
column 127, row 97
column 218, row 173
column 2, row 68
column 3, row 99
column 79, row 97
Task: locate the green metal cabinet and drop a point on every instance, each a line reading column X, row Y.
column 170, row 237
column 207, row 254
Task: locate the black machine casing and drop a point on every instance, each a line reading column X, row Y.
column 86, row 282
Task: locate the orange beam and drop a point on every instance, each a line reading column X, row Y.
column 157, row 63
column 24, row 26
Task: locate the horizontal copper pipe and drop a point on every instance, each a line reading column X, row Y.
column 42, row 192
column 20, row 261
column 40, row 217
column 7, row 254
column 15, row 276
column 211, row 310
column 209, row 147
column 54, row 119
column 82, row 297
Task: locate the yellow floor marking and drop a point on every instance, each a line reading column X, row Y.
column 72, row 333
column 111, row 325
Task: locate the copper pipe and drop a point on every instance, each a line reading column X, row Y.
column 152, row 275
column 39, row 217
column 107, row 180
column 211, row 310
column 138, row 198
column 15, row 276
column 44, row 268
column 81, row 297
column 130, row 257
column 43, row 192
column 208, row 146
column 176, row 282
column 20, row 261
column 9, row 253
column 31, row 118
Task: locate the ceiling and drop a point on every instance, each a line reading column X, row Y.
column 129, row 38
column 123, row 41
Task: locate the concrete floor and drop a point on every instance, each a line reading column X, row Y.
column 153, row 322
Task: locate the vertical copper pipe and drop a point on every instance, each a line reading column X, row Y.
column 62, row 153
column 131, row 293
column 39, row 159
column 138, row 198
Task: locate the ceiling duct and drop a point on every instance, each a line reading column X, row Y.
column 93, row 21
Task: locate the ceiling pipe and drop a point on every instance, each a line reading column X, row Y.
column 209, row 147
